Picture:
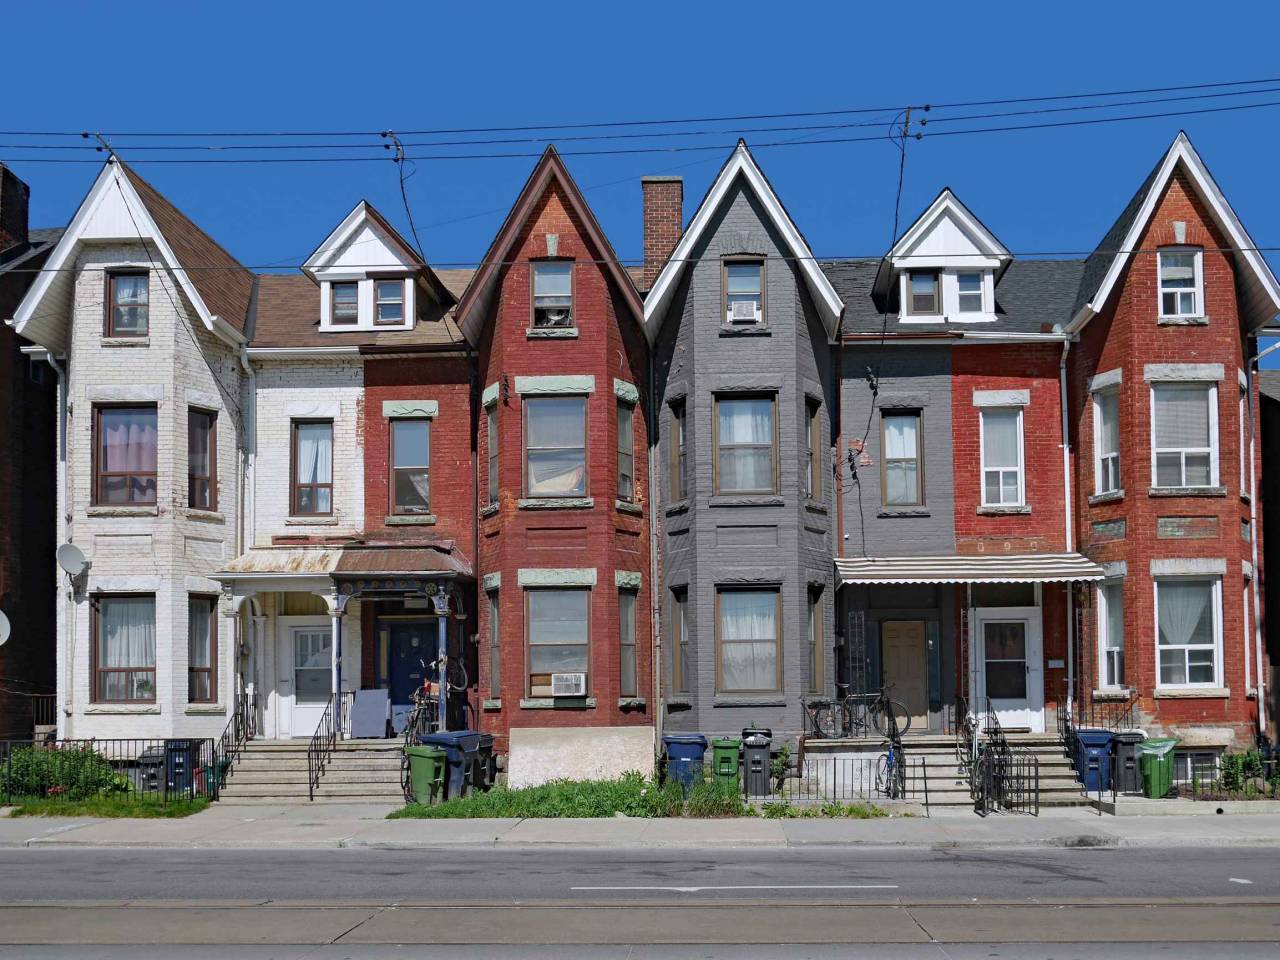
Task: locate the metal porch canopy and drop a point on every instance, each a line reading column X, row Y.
column 1002, row 568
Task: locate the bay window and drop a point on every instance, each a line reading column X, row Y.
column 746, row 445
column 557, row 635
column 127, row 304
column 812, row 465
column 202, row 650
column 1106, row 442
column 1184, row 434
column 124, row 648
column 555, row 430
column 744, row 291
column 552, row 294
column 125, row 455
column 202, row 459
column 1188, row 632
column 491, row 425
column 1181, row 282
column 748, row 641
column 627, row 643
column 679, row 641
column 626, row 451
column 1111, row 635
column 677, row 480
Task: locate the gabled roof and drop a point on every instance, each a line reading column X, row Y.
column 128, row 208
column 472, row 307
column 742, row 164
column 1260, row 300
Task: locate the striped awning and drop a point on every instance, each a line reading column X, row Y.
column 1003, row 568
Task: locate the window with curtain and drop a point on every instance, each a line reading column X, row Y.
column 901, row 485
column 202, row 650
column 312, row 468
column 125, row 450
column 388, row 306
column 627, row 643
column 1111, row 634
column 558, row 635
column 744, row 291
column 495, row 646
column 410, row 467
column 813, row 450
column 813, row 672
column 1106, row 411
column 626, row 451
column 555, row 446
column 491, row 420
column 1187, row 632
column 970, row 292
column 749, row 641
column 202, row 458
column 922, row 292
column 745, row 445
column 124, row 649
column 1002, row 457
column 127, row 304
column 679, row 641
column 1184, row 434
column 552, row 293
column 679, row 488
column 344, row 304
column 1180, row 293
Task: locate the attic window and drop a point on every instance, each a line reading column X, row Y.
column 922, row 292
column 1180, row 282
column 389, row 306
column 127, row 308
column 345, row 308
column 553, row 294
column 970, row 292
column 744, row 291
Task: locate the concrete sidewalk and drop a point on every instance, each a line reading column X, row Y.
column 364, row 826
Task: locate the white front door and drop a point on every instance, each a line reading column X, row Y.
column 311, row 652
column 1008, row 656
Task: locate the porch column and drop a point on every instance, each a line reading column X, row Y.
column 441, row 603
column 336, row 647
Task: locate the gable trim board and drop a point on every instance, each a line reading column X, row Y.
column 741, row 163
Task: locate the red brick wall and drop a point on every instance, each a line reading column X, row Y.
column 1126, row 335
column 609, row 344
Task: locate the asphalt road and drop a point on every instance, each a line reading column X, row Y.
column 794, row 903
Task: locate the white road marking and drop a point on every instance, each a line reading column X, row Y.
column 759, row 886
column 1238, row 880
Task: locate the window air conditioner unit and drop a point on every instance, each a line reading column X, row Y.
column 744, row 311
column 568, row 684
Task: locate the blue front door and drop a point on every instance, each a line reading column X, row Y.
column 412, row 649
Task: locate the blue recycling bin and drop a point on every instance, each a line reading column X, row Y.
column 1094, row 763
column 461, row 748
column 684, row 758
column 179, row 766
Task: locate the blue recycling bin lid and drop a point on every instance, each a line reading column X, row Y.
column 1095, row 738
column 467, row 741
column 690, row 739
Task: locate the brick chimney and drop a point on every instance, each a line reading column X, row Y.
column 663, row 218
column 13, row 209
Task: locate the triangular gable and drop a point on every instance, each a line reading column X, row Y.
column 472, row 307
column 947, row 231
column 1261, row 291
column 113, row 209
column 741, row 163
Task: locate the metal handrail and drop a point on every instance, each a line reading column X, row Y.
column 323, row 742
column 238, row 731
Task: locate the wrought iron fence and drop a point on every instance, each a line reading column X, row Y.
column 153, row 771
column 867, row 778
column 1005, row 780
column 1232, row 776
column 323, row 741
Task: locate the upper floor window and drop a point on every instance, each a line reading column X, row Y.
column 125, row 455
column 1106, row 442
column 124, row 648
column 969, row 292
column 901, row 481
column 555, row 430
column 491, row 423
column 495, row 645
column 924, row 295
column 813, row 667
column 746, row 445
column 626, row 451
column 744, row 291
column 812, row 465
column 312, row 468
column 344, row 308
column 410, row 467
column 202, row 650
column 552, row 293
column 389, row 301
column 1245, row 464
column 678, row 482
column 1002, row 482
column 1184, row 438
column 127, row 296
column 1181, row 282
column 1111, row 634
column 202, row 459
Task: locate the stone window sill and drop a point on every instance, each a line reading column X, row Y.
column 680, row 506
column 410, row 520
column 746, row 500
column 631, row 703
column 626, row 506
column 1115, row 693
column 124, row 709
column 204, row 516
column 206, row 710
column 815, row 506
column 1187, row 492
column 1245, row 498
column 1111, row 496
column 1182, row 321
column 1192, row 693
column 151, row 511
column 556, row 503
column 680, row 703
column 764, row 701
column 758, row 330
column 1003, row 511
column 557, row 703
column 126, row 341
column 552, row 333
column 887, row 512
column 489, row 510
column 491, row 705
column 311, row 521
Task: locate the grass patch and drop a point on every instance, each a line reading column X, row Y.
column 631, row 795
column 108, row 806
column 829, row 810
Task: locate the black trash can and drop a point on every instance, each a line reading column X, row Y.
column 482, row 765
column 1128, row 764
column 179, row 767
column 756, row 745
column 149, row 775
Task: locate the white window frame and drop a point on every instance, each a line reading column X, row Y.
column 1100, row 486
column 982, row 457
column 1197, row 290
column 1214, row 439
column 981, row 292
column 1216, row 600
column 1244, row 415
column 1104, row 633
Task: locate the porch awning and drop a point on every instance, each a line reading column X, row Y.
column 1003, row 568
column 357, row 559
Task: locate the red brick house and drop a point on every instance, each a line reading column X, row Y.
column 562, row 438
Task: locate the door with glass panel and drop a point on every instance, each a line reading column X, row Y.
column 1008, row 652
column 312, row 649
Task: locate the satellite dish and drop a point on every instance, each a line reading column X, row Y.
column 71, row 559
column 4, row 628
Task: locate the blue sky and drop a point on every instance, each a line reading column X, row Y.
column 367, row 66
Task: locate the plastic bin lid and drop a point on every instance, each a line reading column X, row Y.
column 1159, row 745
column 1095, row 738
column 691, row 738
column 464, row 739
column 726, row 742
column 756, row 740
column 1130, row 736
column 757, row 731
column 424, row 751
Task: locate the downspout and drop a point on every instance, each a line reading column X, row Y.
column 655, row 618
column 244, row 528
column 1068, row 523
column 1253, row 546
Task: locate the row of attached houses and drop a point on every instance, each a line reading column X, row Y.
column 683, row 497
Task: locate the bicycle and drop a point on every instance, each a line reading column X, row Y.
column 851, row 715
column 424, row 717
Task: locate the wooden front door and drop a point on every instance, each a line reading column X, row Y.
column 905, row 667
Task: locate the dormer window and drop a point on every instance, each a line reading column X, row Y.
column 389, row 302
column 970, row 292
column 345, row 308
column 552, row 294
column 127, row 304
column 744, row 291
column 1180, row 282
column 923, row 292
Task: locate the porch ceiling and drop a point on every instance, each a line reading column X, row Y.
column 1022, row 568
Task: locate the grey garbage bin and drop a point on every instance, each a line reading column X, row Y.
column 1128, row 766
column 756, row 743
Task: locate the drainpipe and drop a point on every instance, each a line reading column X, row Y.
column 1068, row 522
column 1253, row 545
column 244, row 522
column 655, row 618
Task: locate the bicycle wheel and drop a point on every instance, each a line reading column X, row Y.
column 826, row 720
column 406, row 779
column 883, row 774
column 457, row 675
column 890, row 716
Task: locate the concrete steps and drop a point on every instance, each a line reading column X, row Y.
column 275, row 771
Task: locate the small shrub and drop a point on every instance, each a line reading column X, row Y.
column 777, row 810
column 714, row 798
column 68, row 773
column 780, row 765
column 631, row 795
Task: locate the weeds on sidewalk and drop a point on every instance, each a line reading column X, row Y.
column 630, row 795
column 830, row 810
column 109, row 806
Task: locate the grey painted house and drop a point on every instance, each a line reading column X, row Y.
column 741, row 320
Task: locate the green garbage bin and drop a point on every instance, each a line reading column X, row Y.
column 426, row 772
column 1157, row 767
column 724, row 759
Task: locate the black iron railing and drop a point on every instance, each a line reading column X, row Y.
column 1006, row 781
column 323, row 741
column 1239, row 776
column 240, row 729
column 44, row 709
column 1110, row 715
column 866, row 778
column 145, row 771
